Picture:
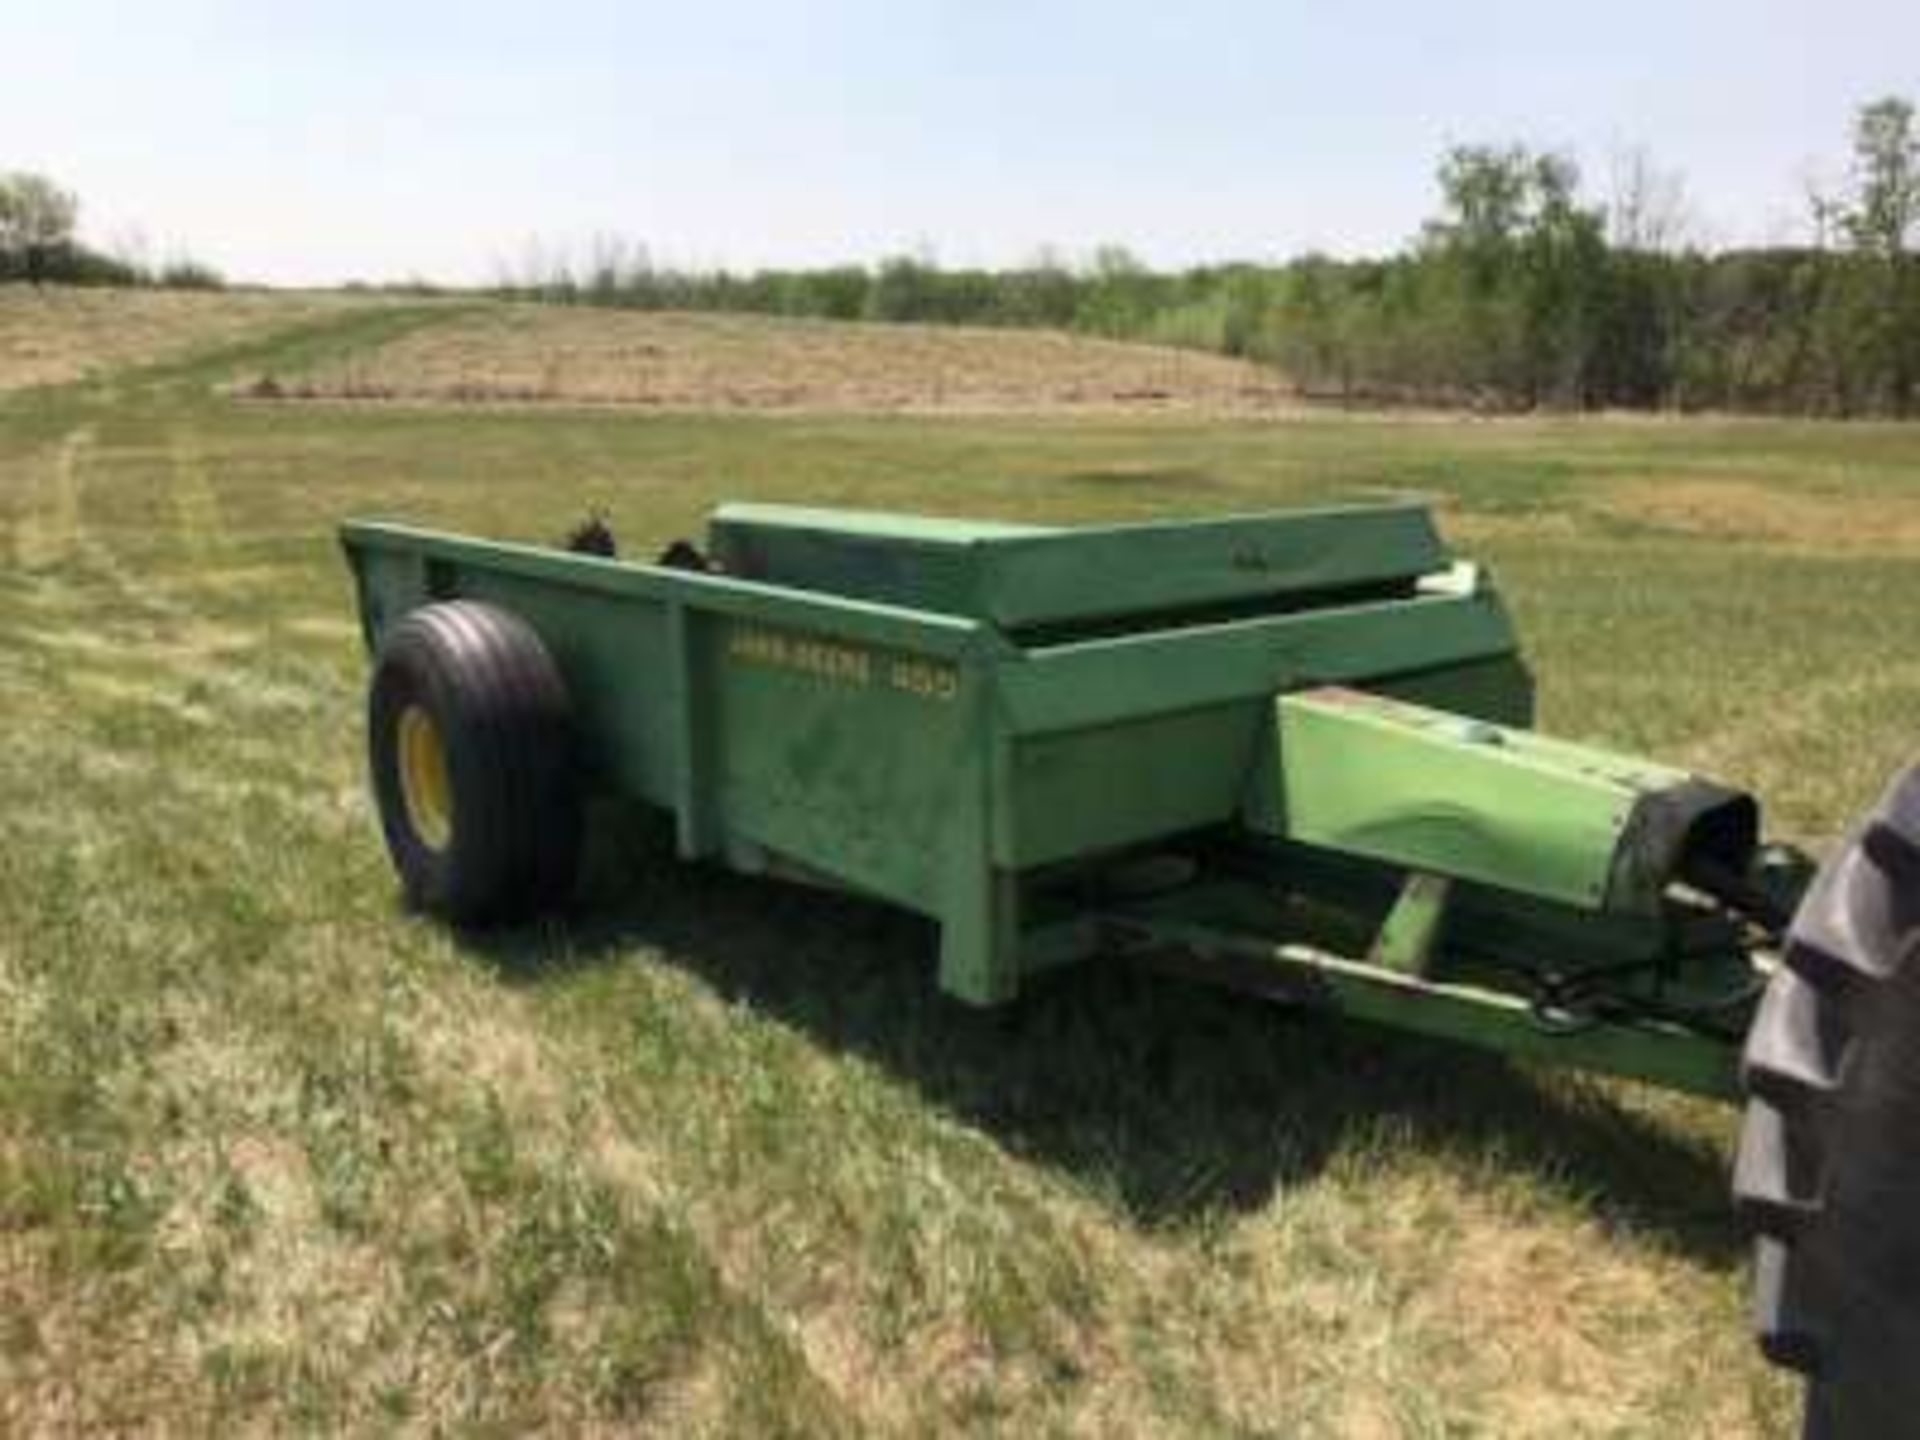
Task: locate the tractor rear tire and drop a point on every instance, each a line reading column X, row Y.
column 471, row 746
column 1828, row 1173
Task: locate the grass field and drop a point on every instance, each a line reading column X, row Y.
column 711, row 1156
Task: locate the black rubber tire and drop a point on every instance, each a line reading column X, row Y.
column 1828, row 1172
column 505, row 727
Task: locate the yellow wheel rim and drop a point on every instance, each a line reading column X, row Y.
column 423, row 778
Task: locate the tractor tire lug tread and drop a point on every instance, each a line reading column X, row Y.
column 1788, row 1336
column 1778, row 1177
column 1797, row 1050
column 1828, row 1169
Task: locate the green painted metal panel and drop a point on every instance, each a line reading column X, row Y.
column 739, row 519
column 367, row 542
column 870, row 765
column 1079, row 792
column 387, row 584
column 1435, row 791
column 1129, row 678
column 623, row 677
column 1141, row 569
column 1026, row 576
column 929, row 564
column 851, row 759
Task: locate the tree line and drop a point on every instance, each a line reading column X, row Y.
column 40, row 244
column 1520, row 292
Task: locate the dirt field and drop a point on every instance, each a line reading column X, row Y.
column 57, row 334
column 530, row 354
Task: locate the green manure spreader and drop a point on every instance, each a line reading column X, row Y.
column 1287, row 753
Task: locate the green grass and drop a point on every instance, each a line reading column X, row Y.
column 710, row 1155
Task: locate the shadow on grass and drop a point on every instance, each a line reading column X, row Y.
column 1174, row 1100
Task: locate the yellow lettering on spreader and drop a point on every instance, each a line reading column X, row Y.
column 839, row 664
column 925, row 678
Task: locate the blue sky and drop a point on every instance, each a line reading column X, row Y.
column 315, row 142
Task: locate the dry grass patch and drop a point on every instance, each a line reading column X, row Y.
column 1774, row 513
column 523, row 353
column 53, row 335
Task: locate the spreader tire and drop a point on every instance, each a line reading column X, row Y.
column 470, row 742
column 1828, row 1172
